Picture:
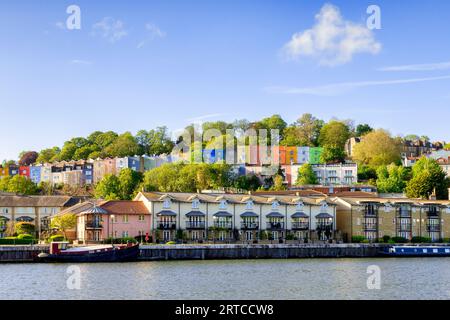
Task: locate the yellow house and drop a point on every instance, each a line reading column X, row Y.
column 4, row 171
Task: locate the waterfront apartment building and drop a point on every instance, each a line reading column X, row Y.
column 34, row 209
column 239, row 217
column 374, row 217
column 327, row 174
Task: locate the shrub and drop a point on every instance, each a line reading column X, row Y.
column 170, row 243
column 15, row 241
column 358, row 239
column 24, row 228
column 365, row 241
column 386, row 239
column 290, row 237
column 25, row 237
column 421, row 240
column 56, row 238
column 399, row 240
column 120, row 240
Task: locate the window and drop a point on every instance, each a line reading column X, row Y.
column 125, row 218
column 275, row 205
column 124, row 234
column 195, row 204
column 249, row 205
column 141, row 217
column 300, row 206
column 223, row 205
column 167, row 203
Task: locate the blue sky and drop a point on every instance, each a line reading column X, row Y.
column 136, row 65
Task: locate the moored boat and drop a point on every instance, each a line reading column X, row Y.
column 59, row 252
column 416, row 251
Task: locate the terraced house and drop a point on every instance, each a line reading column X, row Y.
column 239, row 217
column 374, row 218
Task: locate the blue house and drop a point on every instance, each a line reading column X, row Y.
column 35, row 174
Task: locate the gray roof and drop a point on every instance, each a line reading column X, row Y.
column 275, row 215
column 95, row 210
column 324, row 215
column 249, row 214
column 167, row 213
column 195, row 214
column 299, row 214
column 37, row 201
column 222, row 214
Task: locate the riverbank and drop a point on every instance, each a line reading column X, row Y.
column 219, row 252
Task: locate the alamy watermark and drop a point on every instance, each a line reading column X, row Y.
column 73, row 281
column 374, row 279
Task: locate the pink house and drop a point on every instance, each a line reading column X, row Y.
column 117, row 219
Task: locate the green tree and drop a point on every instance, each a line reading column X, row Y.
column 363, row 129
column 332, row 153
column 278, row 184
column 306, row 175
column 334, row 133
column 427, row 177
column 21, row 185
column 249, row 183
column 64, row 222
column 48, row 155
column 129, row 180
column 108, row 188
column 377, row 148
column 391, row 179
column 125, row 145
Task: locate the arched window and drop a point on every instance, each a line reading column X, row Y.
column 275, row 205
column 300, row 206
column 249, row 205
column 167, row 203
column 223, row 204
column 195, row 204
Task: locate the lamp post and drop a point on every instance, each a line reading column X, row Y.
column 112, row 228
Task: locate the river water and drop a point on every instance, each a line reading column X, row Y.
column 426, row 278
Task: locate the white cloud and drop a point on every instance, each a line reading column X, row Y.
column 153, row 33
column 419, row 67
column 80, row 62
column 109, row 28
column 339, row 88
column 332, row 40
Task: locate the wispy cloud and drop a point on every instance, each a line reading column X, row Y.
column 343, row 87
column 419, row 67
column 109, row 28
column 332, row 40
column 153, row 32
column 80, row 62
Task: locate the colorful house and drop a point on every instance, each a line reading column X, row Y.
column 3, row 171
column 24, row 171
column 314, row 155
column 291, row 155
column 302, row 155
column 13, row 170
column 35, row 174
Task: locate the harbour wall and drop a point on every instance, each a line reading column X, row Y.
column 269, row 251
column 218, row 252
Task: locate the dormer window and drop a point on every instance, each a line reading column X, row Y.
column 324, row 207
column 275, row 205
column 249, row 205
column 196, row 204
column 167, row 203
column 300, row 206
column 223, row 204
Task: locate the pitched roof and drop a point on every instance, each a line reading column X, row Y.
column 125, row 207
column 37, row 201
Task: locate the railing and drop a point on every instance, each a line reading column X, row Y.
column 223, row 225
column 324, row 226
column 404, row 228
column 433, row 228
column 249, row 225
column 94, row 225
column 369, row 227
column 195, row 224
column 167, row 225
column 275, row 225
column 300, row 225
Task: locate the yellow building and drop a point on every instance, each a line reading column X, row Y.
column 375, row 218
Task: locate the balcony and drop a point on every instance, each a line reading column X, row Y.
column 404, row 228
column 195, row 225
column 300, row 226
column 324, row 226
column 275, row 226
column 433, row 228
column 94, row 225
column 249, row 225
column 369, row 227
column 167, row 226
column 223, row 225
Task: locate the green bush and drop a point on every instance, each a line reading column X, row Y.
column 56, row 238
column 16, row 241
column 399, row 240
column 120, row 240
column 290, row 237
column 365, row 241
column 170, row 243
column 24, row 228
column 421, row 240
column 25, row 237
column 358, row 239
column 386, row 239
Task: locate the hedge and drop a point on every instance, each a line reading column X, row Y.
column 120, row 240
column 16, row 241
